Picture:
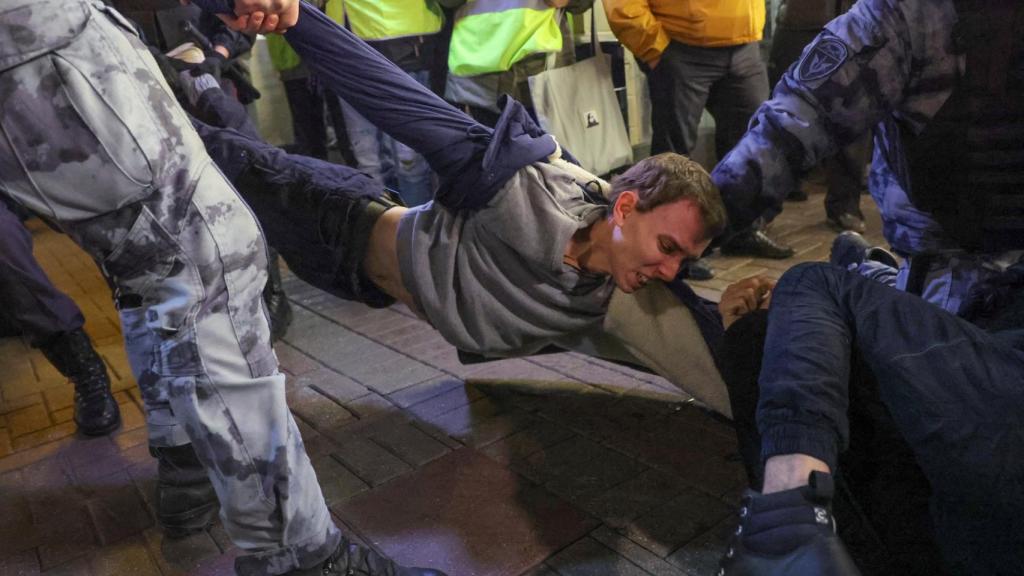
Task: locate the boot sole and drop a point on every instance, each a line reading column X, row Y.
column 99, row 431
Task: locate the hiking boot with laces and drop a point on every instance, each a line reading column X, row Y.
column 96, row 410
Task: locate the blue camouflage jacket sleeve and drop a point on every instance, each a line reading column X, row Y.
column 853, row 74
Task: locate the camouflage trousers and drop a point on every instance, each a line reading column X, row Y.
column 94, row 140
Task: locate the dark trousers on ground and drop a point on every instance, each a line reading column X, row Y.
column 921, row 404
column 30, row 301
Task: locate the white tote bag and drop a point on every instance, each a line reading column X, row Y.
column 577, row 105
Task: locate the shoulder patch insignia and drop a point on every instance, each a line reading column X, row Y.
column 827, row 55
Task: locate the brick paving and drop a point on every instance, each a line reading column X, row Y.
column 554, row 465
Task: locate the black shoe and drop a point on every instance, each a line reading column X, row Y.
column 696, row 270
column 351, row 559
column 848, row 221
column 789, row 533
column 72, row 354
column 185, row 500
column 757, row 244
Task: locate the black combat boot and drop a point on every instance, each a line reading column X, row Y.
column 278, row 308
column 72, row 354
column 789, row 533
column 351, row 559
column 185, row 500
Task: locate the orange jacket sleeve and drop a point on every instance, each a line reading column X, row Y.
column 637, row 28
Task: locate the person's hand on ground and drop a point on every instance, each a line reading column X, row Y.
column 744, row 297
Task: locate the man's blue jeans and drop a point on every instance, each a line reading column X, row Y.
column 385, row 158
column 954, row 391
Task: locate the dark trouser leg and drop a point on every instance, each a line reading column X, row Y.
column 845, row 172
column 340, row 129
column 735, row 96
column 881, row 505
column 955, row 393
column 307, row 108
column 679, row 89
column 30, row 299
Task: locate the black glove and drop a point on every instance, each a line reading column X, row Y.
column 213, row 65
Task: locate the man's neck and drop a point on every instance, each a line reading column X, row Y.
column 587, row 248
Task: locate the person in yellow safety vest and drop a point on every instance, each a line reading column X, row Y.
column 306, row 104
column 404, row 31
column 697, row 54
column 497, row 45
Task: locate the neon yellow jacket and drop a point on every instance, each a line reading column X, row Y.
column 281, row 54
column 492, row 35
column 387, row 19
column 645, row 27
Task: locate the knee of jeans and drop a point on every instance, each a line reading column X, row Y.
column 807, row 274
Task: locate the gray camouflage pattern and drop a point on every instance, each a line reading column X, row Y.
column 94, row 140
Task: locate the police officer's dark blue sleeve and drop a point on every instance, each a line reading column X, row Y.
column 847, row 79
column 472, row 161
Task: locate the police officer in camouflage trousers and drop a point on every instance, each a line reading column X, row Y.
column 54, row 324
column 96, row 143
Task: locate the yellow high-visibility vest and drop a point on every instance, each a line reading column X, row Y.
column 387, row 19
column 492, row 35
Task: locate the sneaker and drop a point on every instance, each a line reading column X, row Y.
column 757, row 244
column 351, row 559
column 788, row 533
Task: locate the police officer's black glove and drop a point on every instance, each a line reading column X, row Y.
column 213, row 65
column 788, row 533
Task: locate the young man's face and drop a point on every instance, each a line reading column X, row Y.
column 655, row 243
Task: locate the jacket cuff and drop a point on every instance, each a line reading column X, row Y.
column 794, row 438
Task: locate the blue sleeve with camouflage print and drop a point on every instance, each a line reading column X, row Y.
column 848, row 78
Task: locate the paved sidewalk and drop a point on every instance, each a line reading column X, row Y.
column 557, row 464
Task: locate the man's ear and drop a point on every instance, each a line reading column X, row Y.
column 625, row 205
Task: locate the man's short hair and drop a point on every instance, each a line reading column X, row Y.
column 668, row 177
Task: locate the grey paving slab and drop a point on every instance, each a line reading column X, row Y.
column 637, row 554
column 589, row 557
column 412, row 445
column 676, row 522
column 371, row 462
